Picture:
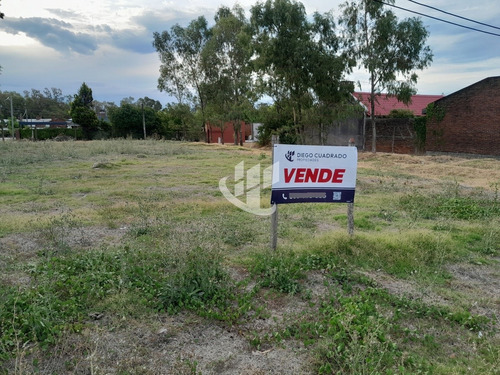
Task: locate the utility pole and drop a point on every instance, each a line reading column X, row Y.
column 11, row 115
column 143, row 121
column 1, row 122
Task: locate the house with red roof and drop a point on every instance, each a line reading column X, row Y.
column 395, row 135
column 384, row 103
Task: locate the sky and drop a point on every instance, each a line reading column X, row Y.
column 108, row 43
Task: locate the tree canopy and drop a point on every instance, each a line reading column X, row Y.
column 390, row 50
column 279, row 53
column 82, row 112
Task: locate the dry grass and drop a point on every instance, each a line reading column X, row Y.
column 162, row 198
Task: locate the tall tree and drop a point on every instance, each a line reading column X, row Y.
column 297, row 59
column 126, row 120
column 182, row 73
column 149, row 103
column 390, row 50
column 82, row 112
column 47, row 103
column 227, row 58
column 178, row 122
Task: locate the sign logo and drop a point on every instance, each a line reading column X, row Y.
column 289, row 156
column 248, row 186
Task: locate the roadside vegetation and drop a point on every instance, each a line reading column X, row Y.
column 109, row 244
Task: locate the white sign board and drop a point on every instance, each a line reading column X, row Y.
column 313, row 174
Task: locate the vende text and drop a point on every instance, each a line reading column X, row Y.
column 305, row 175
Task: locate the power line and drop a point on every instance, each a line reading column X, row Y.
column 438, row 19
column 454, row 15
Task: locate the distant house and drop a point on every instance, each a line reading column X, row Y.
column 44, row 123
column 226, row 134
column 467, row 121
column 384, row 103
column 393, row 135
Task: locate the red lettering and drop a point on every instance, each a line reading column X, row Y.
column 311, row 175
column 338, row 175
column 305, row 175
column 299, row 176
column 325, row 175
column 289, row 175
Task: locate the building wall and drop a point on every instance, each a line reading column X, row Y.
column 395, row 135
column 215, row 134
column 471, row 122
column 338, row 134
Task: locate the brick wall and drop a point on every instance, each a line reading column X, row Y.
column 337, row 134
column 394, row 135
column 471, row 122
column 215, row 134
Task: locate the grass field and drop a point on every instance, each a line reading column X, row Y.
column 123, row 257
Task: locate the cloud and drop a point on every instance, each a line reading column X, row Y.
column 52, row 33
column 160, row 21
column 133, row 40
column 85, row 39
column 140, row 39
column 67, row 14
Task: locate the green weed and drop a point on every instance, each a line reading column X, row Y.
column 450, row 204
column 66, row 287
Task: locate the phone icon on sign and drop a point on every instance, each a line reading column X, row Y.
column 284, row 196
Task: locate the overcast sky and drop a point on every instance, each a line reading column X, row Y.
column 108, row 43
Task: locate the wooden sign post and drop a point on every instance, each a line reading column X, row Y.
column 274, row 216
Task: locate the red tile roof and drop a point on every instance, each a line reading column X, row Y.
column 385, row 104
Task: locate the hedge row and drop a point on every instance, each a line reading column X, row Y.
column 50, row 133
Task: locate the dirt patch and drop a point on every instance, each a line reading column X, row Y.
column 179, row 344
column 406, row 288
column 482, row 283
column 83, row 237
column 467, row 171
column 475, row 288
column 183, row 343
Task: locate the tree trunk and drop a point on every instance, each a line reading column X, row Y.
column 374, row 133
column 222, row 128
column 236, row 132
column 372, row 114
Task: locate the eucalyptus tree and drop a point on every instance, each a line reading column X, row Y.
column 227, row 57
column 297, row 60
column 182, row 73
column 390, row 50
column 127, row 120
column 47, row 103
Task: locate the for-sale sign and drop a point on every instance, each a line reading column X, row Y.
column 313, row 174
